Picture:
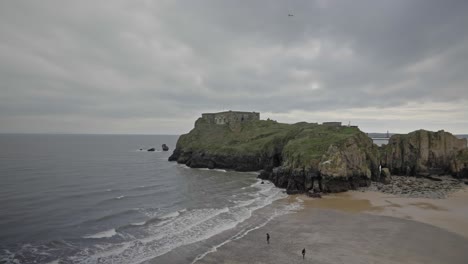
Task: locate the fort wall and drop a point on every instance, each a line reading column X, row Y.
column 230, row 117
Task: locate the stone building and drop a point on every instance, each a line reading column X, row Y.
column 230, row 117
column 332, row 124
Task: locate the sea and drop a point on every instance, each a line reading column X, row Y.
column 380, row 141
column 105, row 199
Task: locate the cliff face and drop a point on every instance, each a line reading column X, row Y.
column 297, row 157
column 345, row 165
column 459, row 165
column 301, row 157
column 423, row 152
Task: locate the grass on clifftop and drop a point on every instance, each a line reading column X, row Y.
column 463, row 156
column 307, row 148
column 252, row 137
column 301, row 144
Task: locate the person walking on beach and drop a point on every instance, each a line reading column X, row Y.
column 268, row 238
column 303, row 253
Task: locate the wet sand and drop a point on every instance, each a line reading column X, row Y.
column 358, row 227
column 450, row 213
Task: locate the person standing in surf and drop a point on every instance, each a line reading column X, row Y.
column 268, row 238
column 303, row 253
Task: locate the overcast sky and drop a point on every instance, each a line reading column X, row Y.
column 153, row 67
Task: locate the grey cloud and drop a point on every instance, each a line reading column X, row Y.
column 124, row 60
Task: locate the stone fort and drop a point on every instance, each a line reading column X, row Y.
column 230, row 117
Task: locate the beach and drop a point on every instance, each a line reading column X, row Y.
column 358, row 227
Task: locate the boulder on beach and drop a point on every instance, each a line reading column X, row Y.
column 151, row 149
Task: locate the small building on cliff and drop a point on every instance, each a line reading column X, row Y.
column 230, row 117
column 332, row 124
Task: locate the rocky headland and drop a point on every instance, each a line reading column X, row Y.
column 308, row 157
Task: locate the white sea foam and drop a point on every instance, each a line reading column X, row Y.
column 138, row 223
column 286, row 209
column 103, row 234
column 184, row 227
column 120, row 197
column 170, row 215
column 207, row 169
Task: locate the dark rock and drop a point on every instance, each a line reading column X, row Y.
column 459, row 165
column 264, row 175
column 204, row 160
column 421, row 152
column 385, row 176
column 314, row 194
column 211, row 164
column 432, row 178
column 164, row 147
column 151, row 149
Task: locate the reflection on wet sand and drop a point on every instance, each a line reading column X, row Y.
column 354, row 228
column 450, row 213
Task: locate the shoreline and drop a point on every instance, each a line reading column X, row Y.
column 358, row 227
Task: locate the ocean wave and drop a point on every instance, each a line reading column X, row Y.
column 172, row 214
column 110, row 216
column 155, row 218
column 207, row 169
column 146, row 187
column 290, row 208
column 165, row 231
column 162, row 191
column 172, row 230
column 138, row 223
column 103, row 234
column 89, row 193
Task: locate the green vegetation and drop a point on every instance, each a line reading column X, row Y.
column 300, row 145
column 463, row 156
column 308, row 147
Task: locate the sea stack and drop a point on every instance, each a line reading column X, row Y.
column 164, row 147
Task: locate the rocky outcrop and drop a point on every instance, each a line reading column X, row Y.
column 459, row 165
column 201, row 159
column 311, row 158
column 164, row 147
column 297, row 157
column 421, row 187
column 423, row 153
column 353, row 164
column 345, row 166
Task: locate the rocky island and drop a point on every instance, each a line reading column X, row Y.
column 326, row 157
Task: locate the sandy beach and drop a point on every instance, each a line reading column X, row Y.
column 358, row 227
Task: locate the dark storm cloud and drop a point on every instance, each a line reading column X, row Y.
column 153, row 66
